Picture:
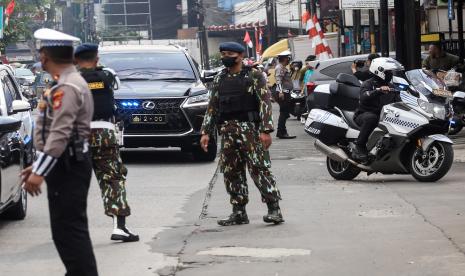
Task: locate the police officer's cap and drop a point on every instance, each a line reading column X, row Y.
column 51, row 38
column 86, row 47
column 232, row 47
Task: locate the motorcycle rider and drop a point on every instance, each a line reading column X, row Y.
column 375, row 93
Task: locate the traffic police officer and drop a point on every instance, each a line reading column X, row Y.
column 240, row 107
column 284, row 86
column 106, row 160
column 63, row 159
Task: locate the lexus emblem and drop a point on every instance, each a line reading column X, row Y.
column 148, row 105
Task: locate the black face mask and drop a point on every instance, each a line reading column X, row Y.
column 388, row 77
column 229, row 61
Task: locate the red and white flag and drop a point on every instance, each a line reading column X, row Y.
column 319, row 43
column 258, row 45
column 247, row 40
column 8, row 11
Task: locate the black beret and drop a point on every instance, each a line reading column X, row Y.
column 86, row 47
column 232, row 47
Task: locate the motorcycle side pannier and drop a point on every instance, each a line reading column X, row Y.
column 326, row 127
column 344, row 94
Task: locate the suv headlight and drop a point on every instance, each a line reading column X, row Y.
column 198, row 100
column 436, row 110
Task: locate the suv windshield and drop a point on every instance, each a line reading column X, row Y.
column 149, row 66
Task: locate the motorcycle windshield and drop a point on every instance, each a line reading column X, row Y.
column 427, row 83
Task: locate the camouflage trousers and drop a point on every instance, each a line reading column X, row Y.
column 241, row 148
column 110, row 171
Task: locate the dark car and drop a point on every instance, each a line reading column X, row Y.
column 161, row 99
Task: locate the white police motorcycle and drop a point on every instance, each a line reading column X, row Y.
column 408, row 140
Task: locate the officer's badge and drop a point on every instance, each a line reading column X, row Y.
column 96, row 85
column 57, row 99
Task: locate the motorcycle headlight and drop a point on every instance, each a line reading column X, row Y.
column 439, row 111
column 198, row 100
column 436, row 110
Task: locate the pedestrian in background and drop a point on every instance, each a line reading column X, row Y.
column 438, row 59
column 362, row 71
column 63, row 159
column 106, row 160
column 240, row 108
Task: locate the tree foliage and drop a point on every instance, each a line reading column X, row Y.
column 24, row 20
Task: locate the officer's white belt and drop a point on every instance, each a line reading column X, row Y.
column 102, row 124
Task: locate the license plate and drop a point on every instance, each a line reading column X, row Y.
column 442, row 93
column 148, row 119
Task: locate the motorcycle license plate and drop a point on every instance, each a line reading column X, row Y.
column 148, row 119
column 442, row 93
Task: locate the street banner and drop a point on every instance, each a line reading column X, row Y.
column 450, row 10
column 362, row 4
column 1, row 22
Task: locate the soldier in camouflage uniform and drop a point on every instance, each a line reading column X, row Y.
column 106, row 160
column 240, row 108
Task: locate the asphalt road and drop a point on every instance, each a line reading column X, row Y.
column 376, row 225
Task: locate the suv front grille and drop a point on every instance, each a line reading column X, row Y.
column 176, row 121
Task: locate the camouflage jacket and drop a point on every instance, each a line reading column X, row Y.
column 264, row 99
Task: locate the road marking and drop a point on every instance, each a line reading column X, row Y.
column 254, row 252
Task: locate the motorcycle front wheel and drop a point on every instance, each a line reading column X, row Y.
column 342, row 170
column 455, row 130
column 432, row 165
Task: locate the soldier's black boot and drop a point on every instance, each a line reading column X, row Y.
column 238, row 216
column 274, row 213
column 121, row 232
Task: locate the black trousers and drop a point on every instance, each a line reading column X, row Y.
column 68, row 186
column 367, row 121
column 284, row 110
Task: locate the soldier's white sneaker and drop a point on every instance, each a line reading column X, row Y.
column 124, row 235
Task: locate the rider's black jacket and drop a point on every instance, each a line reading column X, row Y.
column 372, row 100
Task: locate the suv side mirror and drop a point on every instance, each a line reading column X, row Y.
column 20, row 106
column 9, row 124
column 208, row 76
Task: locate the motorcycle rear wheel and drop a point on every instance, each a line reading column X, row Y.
column 342, row 170
column 433, row 164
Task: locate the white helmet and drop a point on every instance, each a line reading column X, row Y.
column 380, row 66
column 286, row 53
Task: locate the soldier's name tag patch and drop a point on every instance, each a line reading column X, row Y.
column 96, row 85
column 57, row 99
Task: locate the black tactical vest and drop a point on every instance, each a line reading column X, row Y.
column 235, row 100
column 100, row 84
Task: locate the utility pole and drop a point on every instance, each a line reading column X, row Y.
column 275, row 22
column 460, row 29
column 357, row 30
column 384, row 27
column 342, row 44
column 408, row 43
column 271, row 22
column 371, row 14
column 301, row 31
column 202, row 34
